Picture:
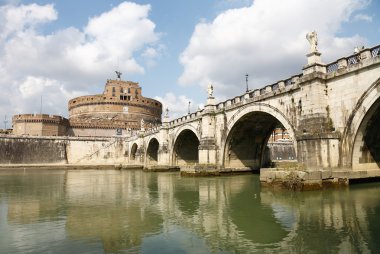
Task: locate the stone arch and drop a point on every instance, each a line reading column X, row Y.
column 356, row 153
column 247, row 134
column 133, row 153
column 185, row 148
column 151, row 157
column 187, row 127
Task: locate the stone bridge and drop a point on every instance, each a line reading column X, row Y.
column 331, row 112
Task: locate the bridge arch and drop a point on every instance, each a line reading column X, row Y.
column 248, row 131
column 185, row 149
column 361, row 139
column 151, row 157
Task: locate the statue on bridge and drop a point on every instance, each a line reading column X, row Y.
column 312, row 37
column 210, row 91
column 142, row 124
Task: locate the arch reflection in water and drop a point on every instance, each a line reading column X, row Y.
column 114, row 211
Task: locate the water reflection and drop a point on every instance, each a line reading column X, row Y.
column 133, row 211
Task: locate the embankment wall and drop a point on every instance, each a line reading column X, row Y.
column 62, row 150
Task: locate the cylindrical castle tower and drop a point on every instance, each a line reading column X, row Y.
column 120, row 106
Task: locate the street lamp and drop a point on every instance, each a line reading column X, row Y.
column 246, row 82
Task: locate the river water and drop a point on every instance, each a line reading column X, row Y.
column 106, row 211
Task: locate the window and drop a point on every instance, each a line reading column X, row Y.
column 125, row 97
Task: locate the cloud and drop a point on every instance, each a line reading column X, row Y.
column 72, row 59
column 152, row 54
column 178, row 105
column 51, row 93
column 24, row 17
column 362, row 17
column 265, row 40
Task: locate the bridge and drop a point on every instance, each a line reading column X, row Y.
column 331, row 112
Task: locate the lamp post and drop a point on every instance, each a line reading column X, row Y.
column 246, row 82
column 5, row 122
column 189, row 108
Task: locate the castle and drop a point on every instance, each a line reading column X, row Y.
column 121, row 107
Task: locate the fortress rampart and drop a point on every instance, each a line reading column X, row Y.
column 39, row 118
column 39, row 125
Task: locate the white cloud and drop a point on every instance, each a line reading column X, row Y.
column 362, row 17
column 52, row 92
column 72, row 59
column 24, row 17
column 265, row 40
column 178, row 105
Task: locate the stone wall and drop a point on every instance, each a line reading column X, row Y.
column 62, row 150
column 39, row 125
column 281, row 151
column 20, row 150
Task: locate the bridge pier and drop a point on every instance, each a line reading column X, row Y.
column 319, row 151
column 207, row 152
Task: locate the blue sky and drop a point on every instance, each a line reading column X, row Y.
column 63, row 49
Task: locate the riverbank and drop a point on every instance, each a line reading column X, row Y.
column 304, row 180
column 66, row 166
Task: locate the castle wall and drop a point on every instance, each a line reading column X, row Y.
column 62, row 150
column 39, row 125
column 23, row 150
column 93, row 132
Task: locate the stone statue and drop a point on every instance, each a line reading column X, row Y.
column 142, row 124
column 167, row 113
column 312, row 37
column 118, row 74
column 210, row 91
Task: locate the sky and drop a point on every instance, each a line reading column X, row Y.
column 52, row 51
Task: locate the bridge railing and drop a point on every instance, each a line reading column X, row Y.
column 353, row 59
column 257, row 94
column 375, row 51
column 185, row 118
column 252, row 95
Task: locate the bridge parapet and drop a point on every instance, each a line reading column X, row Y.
column 152, row 130
column 187, row 118
column 351, row 61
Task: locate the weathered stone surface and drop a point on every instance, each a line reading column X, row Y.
column 32, row 151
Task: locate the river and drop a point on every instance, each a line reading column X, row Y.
column 107, row 211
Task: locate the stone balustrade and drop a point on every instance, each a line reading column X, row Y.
column 353, row 60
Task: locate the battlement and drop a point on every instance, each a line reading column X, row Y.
column 99, row 99
column 121, row 82
column 45, row 118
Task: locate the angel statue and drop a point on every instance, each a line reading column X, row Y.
column 142, row 124
column 312, row 37
column 210, row 91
